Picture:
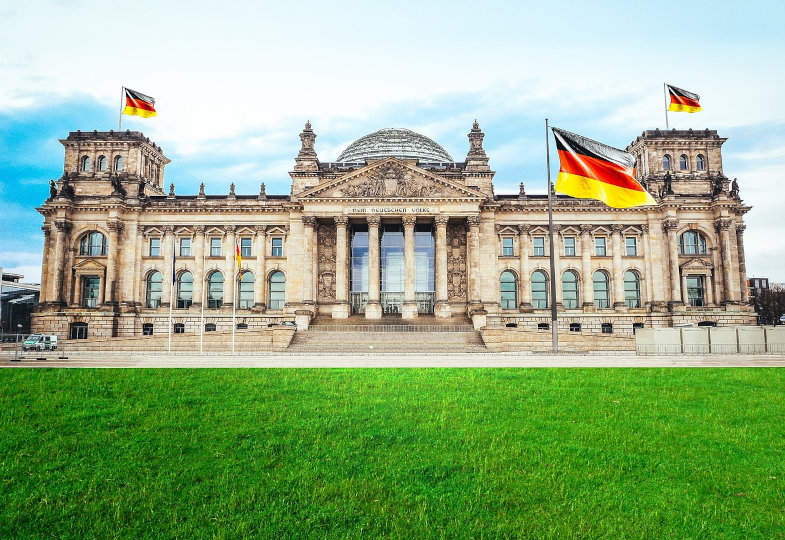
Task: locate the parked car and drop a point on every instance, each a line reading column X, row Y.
column 40, row 342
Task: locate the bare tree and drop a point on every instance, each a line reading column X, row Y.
column 770, row 304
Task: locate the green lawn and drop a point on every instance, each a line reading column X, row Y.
column 455, row 453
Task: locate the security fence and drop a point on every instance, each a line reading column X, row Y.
column 708, row 340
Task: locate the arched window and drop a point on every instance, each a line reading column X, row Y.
column 569, row 282
column 215, row 290
column 118, row 163
column 154, row 283
column 632, row 289
column 277, row 290
column 245, row 297
column 700, row 163
column 185, row 290
column 683, row 162
column 539, row 290
column 666, row 162
column 602, row 298
column 692, row 243
column 101, row 163
column 84, row 163
column 509, row 290
column 93, row 243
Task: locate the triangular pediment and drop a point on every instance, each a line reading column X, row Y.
column 89, row 265
column 391, row 178
column 696, row 264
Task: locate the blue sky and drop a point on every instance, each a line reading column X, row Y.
column 235, row 83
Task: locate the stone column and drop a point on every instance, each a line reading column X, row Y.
column 137, row 297
column 167, row 285
column 587, row 280
column 63, row 228
column 672, row 248
column 524, row 277
column 723, row 228
column 260, row 281
column 373, row 309
column 70, row 280
column 309, row 223
column 474, row 260
column 441, row 307
column 618, row 270
column 742, row 264
column 341, row 306
column 199, row 277
column 557, row 249
column 230, row 266
column 648, row 279
column 43, row 297
column 115, row 227
column 409, row 310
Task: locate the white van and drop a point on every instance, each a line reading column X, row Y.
column 40, row 342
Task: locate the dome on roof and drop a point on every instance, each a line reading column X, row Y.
column 394, row 142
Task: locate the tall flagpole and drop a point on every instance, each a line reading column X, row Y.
column 204, row 286
column 665, row 93
column 122, row 96
column 554, row 322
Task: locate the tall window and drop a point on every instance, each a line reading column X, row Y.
column 277, row 290
column 185, row 247
column 569, row 246
column 569, row 282
column 102, row 161
column 215, row 247
column 700, row 163
column 245, row 247
column 84, row 163
column 90, row 291
column 507, row 246
column 683, row 162
column 599, row 247
column 509, row 290
column 666, row 162
column 118, row 163
column 154, row 284
column 539, row 290
column 93, row 243
column 695, row 291
column 155, row 247
column 246, row 291
column 277, row 249
column 692, row 243
column 185, row 290
column 539, row 246
column 632, row 289
column 602, row 299
column 215, row 290
column 631, row 245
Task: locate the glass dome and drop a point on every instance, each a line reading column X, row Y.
column 394, row 142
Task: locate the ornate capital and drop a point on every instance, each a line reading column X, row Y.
column 409, row 221
column 115, row 226
column 473, row 221
column 309, row 221
column 617, row 228
column 230, row 228
column 168, row 229
column 722, row 224
column 645, row 228
column 341, row 220
column 374, row 220
column 199, row 229
column 62, row 226
column 740, row 229
column 260, row 229
column 47, row 230
column 524, row 228
column 441, row 221
column 586, row 229
column 670, row 225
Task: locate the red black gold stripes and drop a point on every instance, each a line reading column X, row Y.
column 682, row 100
column 592, row 170
column 138, row 104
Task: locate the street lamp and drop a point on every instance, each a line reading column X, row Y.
column 16, row 349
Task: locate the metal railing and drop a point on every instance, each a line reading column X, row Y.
column 425, row 328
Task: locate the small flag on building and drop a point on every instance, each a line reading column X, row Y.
column 592, row 170
column 682, row 100
column 138, row 104
column 238, row 255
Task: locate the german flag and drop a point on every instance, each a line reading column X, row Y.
column 592, row 170
column 238, row 255
column 138, row 104
column 683, row 101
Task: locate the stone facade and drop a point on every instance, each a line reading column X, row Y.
column 114, row 237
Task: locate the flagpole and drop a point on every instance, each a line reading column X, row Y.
column 122, row 95
column 665, row 94
column 234, row 309
column 204, row 287
column 554, row 322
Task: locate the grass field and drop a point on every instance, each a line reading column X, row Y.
column 483, row 453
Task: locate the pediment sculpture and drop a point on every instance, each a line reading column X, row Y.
column 390, row 180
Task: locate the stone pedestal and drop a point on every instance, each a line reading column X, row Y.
column 409, row 310
column 442, row 310
column 373, row 310
column 341, row 310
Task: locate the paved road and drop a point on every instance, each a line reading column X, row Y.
column 419, row 360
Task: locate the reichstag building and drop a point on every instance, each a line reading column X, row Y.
column 394, row 228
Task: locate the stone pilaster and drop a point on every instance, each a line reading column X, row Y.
column 138, row 297
column 742, row 263
column 474, row 260
column 373, row 309
column 341, row 306
column 587, row 280
column 230, row 266
column 197, row 249
column 63, row 228
column 524, row 278
column 167, row 250
column 409, row 310
column 260, row 249
column 618, row 270
column 309, row 224
column 441, row 307
column 729, row 292
column 110, row 290
column 43, row 297
column 648, row 279
column 672, row 248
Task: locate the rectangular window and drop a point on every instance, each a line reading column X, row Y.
column 215, row 247
column 185, row 247
column 539, row 246
column 155, row 247
column 695, row 292
column 631, row 243
column 569, row 246
column 277, row 250
column 245, row 247
column 507, row 246
column 599, row 247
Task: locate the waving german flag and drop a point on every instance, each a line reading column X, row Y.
column 138, row 104
column 592, row 170
column 683, row 101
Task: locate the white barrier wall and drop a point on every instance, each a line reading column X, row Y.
column 723, row 340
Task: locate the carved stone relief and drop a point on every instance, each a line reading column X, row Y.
column 326, row 254
column 391, row 180
column 456, row 262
